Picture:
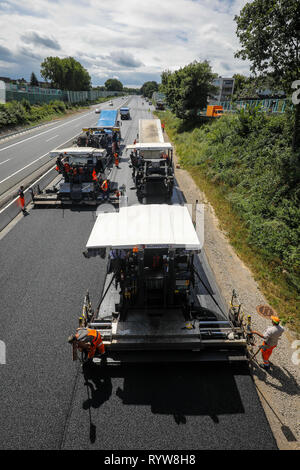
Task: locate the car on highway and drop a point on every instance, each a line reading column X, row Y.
column 150, row 102
column 97, row 110
column 110, row 103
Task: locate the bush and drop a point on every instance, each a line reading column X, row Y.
column 22, row 112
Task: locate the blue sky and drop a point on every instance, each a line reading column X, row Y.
column 131, row 40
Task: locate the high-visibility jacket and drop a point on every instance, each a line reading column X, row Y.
column 104, row 185
column 67, row 167
column 93, row 338
column 94, row 175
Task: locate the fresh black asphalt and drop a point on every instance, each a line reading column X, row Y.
column 49, row 402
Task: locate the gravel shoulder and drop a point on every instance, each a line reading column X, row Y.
column 278, row 389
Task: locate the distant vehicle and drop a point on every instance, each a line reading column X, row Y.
column 214, row 111
column 97, row 110
column 150, row 102
column 110, row 103
column 160, row 106
column 124, row 113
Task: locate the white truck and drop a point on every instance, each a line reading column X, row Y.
column 152, row 159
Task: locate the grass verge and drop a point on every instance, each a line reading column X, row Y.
column 268, row 270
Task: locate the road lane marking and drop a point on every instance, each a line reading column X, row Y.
column 1, row 163
column 18, row 171
column 45, row 132
column 26, row 190
column 48, row 140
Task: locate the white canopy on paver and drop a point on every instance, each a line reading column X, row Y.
column 75, row 151
column 150, row 225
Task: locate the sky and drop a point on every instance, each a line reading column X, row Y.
column 131, row 40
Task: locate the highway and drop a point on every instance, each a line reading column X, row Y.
column 22, row 154
column 45, row 400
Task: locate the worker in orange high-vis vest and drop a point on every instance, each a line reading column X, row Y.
column 94, row 175
column 89, row 340
column 270, row 337
column 21, row 200
column 105, row 188
column 116, row 159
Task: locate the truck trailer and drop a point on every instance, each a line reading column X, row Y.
column 150, row 309
column 81, row 173
column 152, row 159
column 214, row 111
column 124, row 113
column 160, row 106
column 107, row 133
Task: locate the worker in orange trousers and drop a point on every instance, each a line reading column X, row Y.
column 270, row 337
column 21, row 200
column 116, row 159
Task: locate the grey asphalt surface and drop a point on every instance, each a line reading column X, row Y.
column 49, row 402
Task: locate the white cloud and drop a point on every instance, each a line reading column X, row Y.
column 130, row 39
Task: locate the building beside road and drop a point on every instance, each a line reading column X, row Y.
column 225, row 89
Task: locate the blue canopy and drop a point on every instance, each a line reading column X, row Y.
column 108, row 118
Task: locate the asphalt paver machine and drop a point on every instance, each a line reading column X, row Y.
column 152, row 160
column 81, row 173
column 149, row 310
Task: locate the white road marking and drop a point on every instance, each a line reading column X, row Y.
column 48, row 140
column 45, row 132
column 5, row 161
column 26, row 190
column 16, row 172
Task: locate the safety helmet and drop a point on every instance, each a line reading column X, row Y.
column 275, row 320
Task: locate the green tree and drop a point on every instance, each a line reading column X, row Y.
column 188, row 88
column 148, row 88
column 112, row 84
column 33, row 80
column 66, row 74
column 269, row 33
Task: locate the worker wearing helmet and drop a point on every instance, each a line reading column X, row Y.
column 270, row 337
column 89, row 340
